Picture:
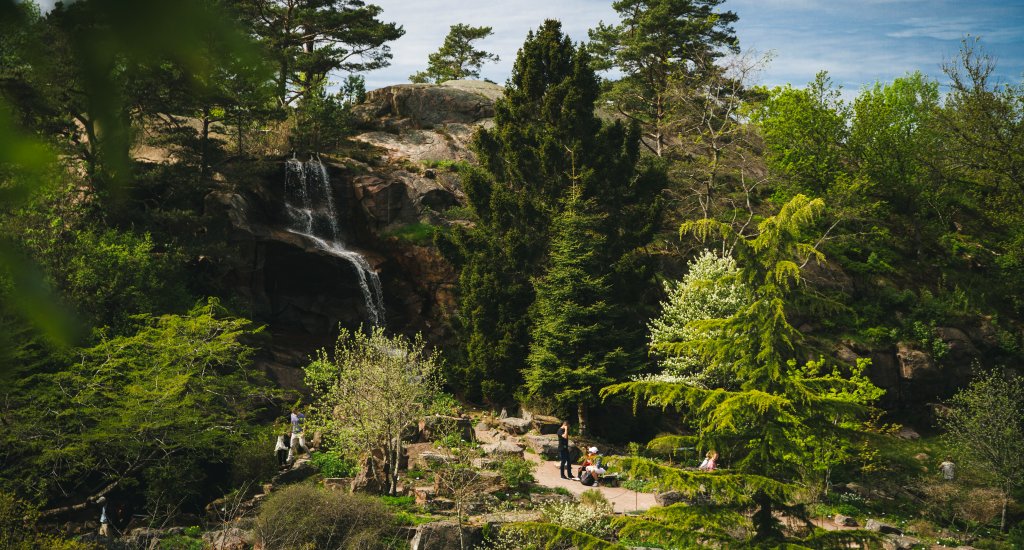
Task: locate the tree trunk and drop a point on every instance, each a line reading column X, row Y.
column 1002, row 518
column 204, row 143
column 581, row 415
column 766, row 527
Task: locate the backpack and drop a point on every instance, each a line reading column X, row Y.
column 587, row 478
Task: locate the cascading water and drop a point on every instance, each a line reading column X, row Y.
column 310, row 205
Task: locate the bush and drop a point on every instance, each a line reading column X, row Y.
column 18, row 530
column 578, row 517
column 333, row 464
column 595, row 499
column 254, row 461
column 517, row 472
column 303, row 516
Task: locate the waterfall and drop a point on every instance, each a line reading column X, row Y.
column 311, row 213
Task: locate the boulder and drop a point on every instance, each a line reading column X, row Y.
column 914, row 364
column 231, row 538
column 436, row 426
column 445, row 535
column 544, row 445
column 906, row 432
column 668, row 498
column 515, row 426
column 844, row 521
column 539, row 499
column 882, row 527
column 338, row 483
column 299, row 471
column 502, row 448
column 370, row 478
column 414, row 453
column 545, row 424
column 899, row 542
column 423, row 495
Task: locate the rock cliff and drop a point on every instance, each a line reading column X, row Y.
column 399, row 184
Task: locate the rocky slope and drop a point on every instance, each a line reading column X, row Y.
column 398, row 184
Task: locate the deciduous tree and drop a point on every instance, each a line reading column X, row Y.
column 369, row 392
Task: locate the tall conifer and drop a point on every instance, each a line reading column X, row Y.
column 546, row 138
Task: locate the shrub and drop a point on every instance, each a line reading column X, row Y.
column 254, row 460
column 303, row 516
column 333, row 464
column 18, row 530
column 595, row 499
column 578, row 517
column 517, row 471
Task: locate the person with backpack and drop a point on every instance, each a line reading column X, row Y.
column 593, row 467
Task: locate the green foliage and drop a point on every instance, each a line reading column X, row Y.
column 251, row 462
column 776, row 419
column 517, row 472
column 322, row 121
column 657, row 43
column 19, row 528
column 568, row 357
column 298, row 516
column 457, row 59
column 151, row 407
column 420, row 234
column 545, row 141
column 113, row 275
column 333, row 464
column 370, row 391
column 309, row 40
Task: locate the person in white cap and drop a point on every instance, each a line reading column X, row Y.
column 596, row 466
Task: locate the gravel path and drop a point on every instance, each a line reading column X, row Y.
column 623, row 500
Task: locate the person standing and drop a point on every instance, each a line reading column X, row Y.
column 564, row 463
column 104, row 520
column 281, row 449
column 297, row 439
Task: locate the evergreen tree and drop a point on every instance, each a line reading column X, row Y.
column 546, row 138
column 657, row 43
column 778, row 417
column 568, row 359
column 457, row 59
column 308, row 39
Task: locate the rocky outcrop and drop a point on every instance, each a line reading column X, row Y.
column 445, row 535
column 435, row 427
column 515, row 426
column 914, row 364
column 409, row 106
column 231, row 538
column 502, row 448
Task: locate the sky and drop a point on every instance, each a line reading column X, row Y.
column 857, row 42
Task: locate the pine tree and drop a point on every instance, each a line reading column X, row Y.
column 657, row 43
column 780, row 414
column 546, row 138
column 457, row 59
column 568, row 359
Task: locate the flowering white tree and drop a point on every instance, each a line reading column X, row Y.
column 709, row 290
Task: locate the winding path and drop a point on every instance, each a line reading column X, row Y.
column 623, row 500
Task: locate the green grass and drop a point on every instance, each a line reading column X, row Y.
column 420, row 234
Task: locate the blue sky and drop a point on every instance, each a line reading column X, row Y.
column 857, row 42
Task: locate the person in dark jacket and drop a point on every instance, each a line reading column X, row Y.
column 564, row 462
